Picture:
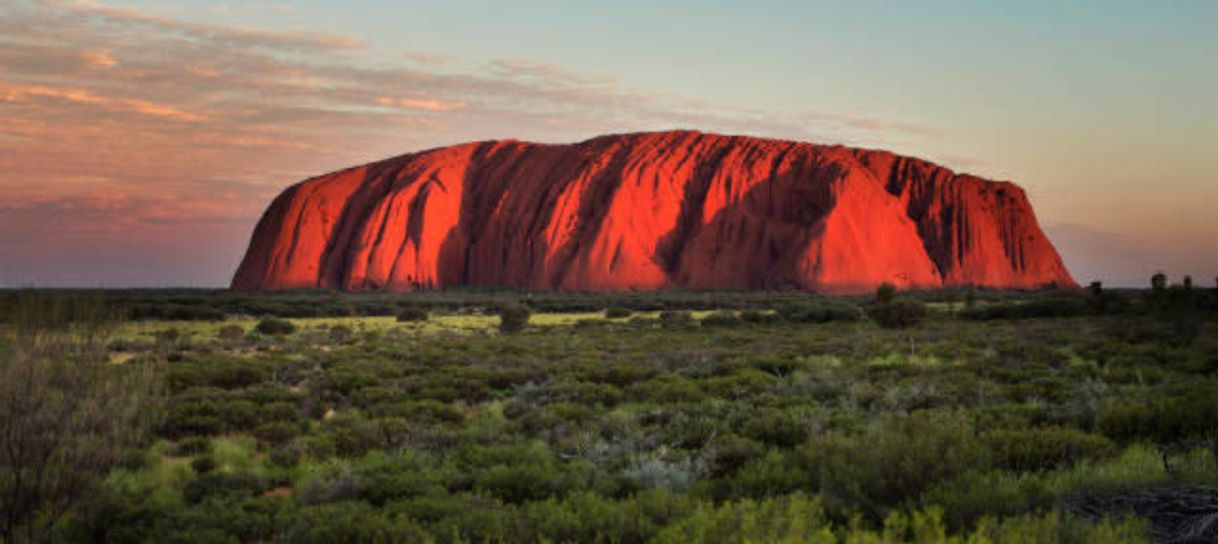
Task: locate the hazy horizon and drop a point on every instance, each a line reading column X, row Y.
column 140, row 141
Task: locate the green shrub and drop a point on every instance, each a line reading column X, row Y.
column 228, row 485
column 276, row 432
column 886, row 293
column 350, row 522
column 279, row 411
column 758, row 316
column 1188, row 417
column 275, row 327
column 203, row 464
column 776, row 427
column 514, row 318
column 412, row 314
column 518, row 483
column 285, row 455
column 617, row 312
column 730, row 452
column 192, row 446
column 819, row 312
column 231, row 333
column 891, row 463
column 793, row 518
column 341, row 334
column 1044, row 448
column 673, row 317
column 900, row 313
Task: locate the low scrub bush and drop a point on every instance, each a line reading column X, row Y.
column 1044, row 448
column 900, row 313
column 514, row 318
column 412, row 314
column 617, row 312
column 275, row 327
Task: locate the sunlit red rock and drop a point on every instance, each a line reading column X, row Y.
column 650, row 211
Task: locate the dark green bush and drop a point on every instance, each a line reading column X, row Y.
column 1188, row 417
column 412, row 314
column 285, row 455
column 516, row 484
column 191, row 446
column 617, row 312
column 776, row 427
column 203, row 464
column 231, row 333
column 514, row 318
column 227, row 485
column 900, row 313
column 758, row 316
column 350, row 522
column 819, row 312
column 275, row 327
column 886, row 293
column 276, row 432
column 1044, row 448
column 892, row 463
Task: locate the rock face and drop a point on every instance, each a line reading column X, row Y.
column 650, row 211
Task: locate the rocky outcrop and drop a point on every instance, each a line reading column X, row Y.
column 650, row 211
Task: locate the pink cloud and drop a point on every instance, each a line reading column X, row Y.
column 130, row 131
column 421, row 103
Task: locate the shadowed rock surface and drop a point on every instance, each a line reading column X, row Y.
column 1177, row 515
column 650, row 211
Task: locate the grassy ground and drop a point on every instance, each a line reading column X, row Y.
column 776, row 424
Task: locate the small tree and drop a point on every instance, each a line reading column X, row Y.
column 1158, row 282
column 513, row 318
column 1188, row 282
column 970, row 297
column 885, row 293
column 1096, row 288
column 67, row 417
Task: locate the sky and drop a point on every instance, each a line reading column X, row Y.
column 140, row 141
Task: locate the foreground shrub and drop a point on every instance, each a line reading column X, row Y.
column 892, row 463
column 1045, row 448
column 1169, row 421
column 794, row 518
column 66, row 418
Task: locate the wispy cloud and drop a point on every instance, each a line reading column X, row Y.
column 173, row 121
column 421, row 103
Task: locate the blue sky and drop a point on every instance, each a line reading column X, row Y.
column 1107, row 112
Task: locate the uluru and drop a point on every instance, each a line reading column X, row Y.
column 648, row 211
